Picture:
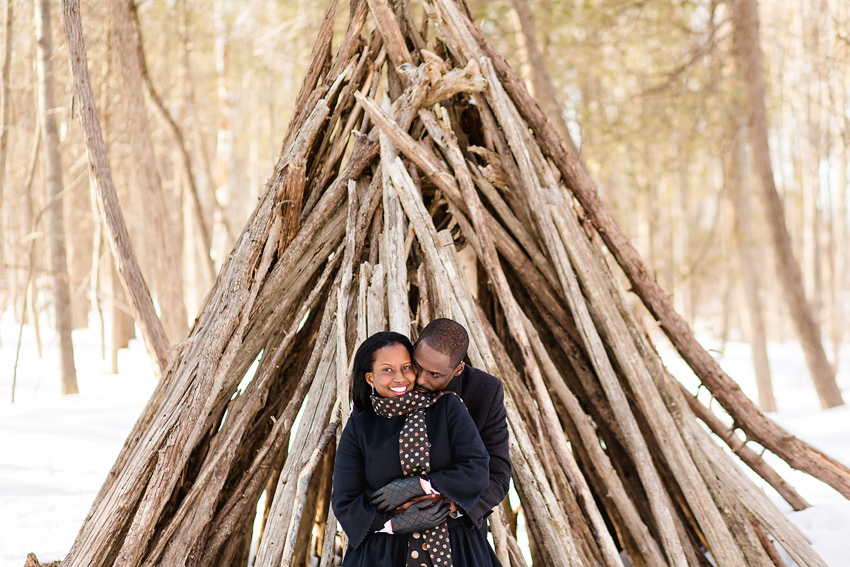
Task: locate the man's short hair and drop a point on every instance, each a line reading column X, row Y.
column 448, row 337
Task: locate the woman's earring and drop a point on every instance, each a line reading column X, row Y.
column 373, row 390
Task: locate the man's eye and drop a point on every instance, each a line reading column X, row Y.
column 435, row 375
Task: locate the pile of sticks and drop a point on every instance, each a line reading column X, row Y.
column 413, row 141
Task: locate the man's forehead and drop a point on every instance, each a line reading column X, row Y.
column 428, row 354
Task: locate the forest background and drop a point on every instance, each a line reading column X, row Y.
column 649, row 91
column 194, row 99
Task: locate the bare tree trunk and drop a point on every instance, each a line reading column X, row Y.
column 225, row 215
column 187, row 180
column 29, row 309
column 97, row 251
column 544, row 88
column 5, row 77
column 685, row 266
column 738, row 186
column 53, row 179
column 842, row 234
column 121, row 324
column 79, row 235
column 119, row 240
column 808, row 331
column 812, row 192
column 163, row 248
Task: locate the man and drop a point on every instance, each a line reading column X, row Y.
column 438, row 361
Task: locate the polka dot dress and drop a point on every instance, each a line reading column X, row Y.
column 429, row 548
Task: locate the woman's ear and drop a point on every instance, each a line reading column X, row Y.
column 369, row 379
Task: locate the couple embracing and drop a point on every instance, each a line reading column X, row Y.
column 424, row 458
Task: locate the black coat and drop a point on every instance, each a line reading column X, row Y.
column 484, row 397
column 368, row 458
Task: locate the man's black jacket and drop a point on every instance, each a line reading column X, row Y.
column 484, row 397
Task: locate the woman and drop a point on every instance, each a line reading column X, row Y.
column 407, row 446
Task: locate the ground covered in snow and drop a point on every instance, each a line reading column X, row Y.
column 56, row 451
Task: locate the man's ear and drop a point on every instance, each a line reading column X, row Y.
column 459, row 368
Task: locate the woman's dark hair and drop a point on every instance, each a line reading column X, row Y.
column 364, row 360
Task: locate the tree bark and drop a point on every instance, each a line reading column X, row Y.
column 746, row 34
column 119, row 240
column 5, row 77
column 183, row 159
column 544, row 87
column 812, row 217
column 842, row 236
column 738, row 187
column 53, row 179
column 163, row 247
column 225, row 215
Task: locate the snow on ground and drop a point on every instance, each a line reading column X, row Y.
column 56, row 451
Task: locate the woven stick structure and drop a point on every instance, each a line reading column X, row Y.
column 411, row 140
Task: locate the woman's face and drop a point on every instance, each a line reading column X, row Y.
column 392, row 373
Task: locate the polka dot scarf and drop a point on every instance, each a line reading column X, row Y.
column 430, row 548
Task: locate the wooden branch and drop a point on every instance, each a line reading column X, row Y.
column 750, row 457
column 321, row 400
column 242, row 503
column 590, row 442
column 392, row 248
column 456, row 81
column 450, row 284
column 179, row 140
column 658, row 498
column 756, row 502
column 141, row 304
column 387, row 24
column 303, row 480
column 747, row 416
column 617, row 338
column 198, row 506
column 514, row 317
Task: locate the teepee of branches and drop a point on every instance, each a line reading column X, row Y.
column 413, row 140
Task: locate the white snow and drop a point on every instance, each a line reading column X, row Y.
column 55, row 451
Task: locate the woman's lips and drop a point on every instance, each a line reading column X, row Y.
column 399, row 390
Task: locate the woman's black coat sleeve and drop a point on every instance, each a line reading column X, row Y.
column 350, row 496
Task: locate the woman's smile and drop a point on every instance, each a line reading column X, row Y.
column 392, row 372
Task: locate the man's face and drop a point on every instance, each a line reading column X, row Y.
column 434, row 370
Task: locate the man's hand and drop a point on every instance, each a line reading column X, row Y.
column 421, row 516
column 435, row 498
column 396, row 493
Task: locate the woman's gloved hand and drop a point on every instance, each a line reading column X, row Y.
column 396, row 493
column 421, row 516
